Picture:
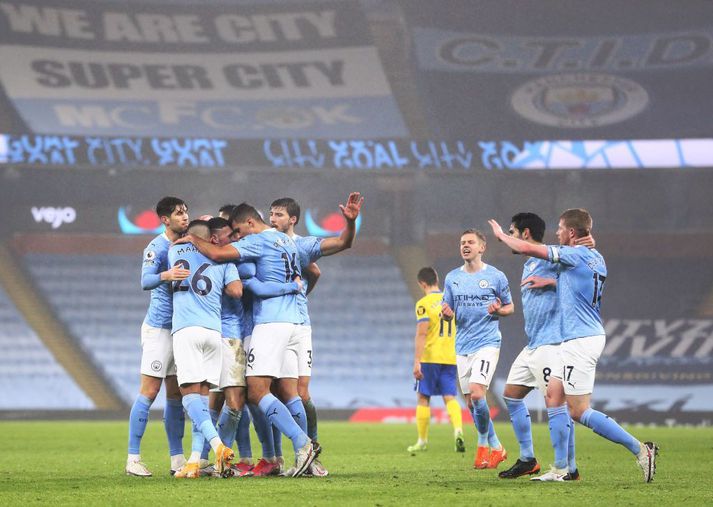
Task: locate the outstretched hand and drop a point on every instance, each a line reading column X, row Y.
column 537, row 282
column 497, row 230
column 351, row 209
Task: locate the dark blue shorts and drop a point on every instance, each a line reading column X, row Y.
column 438, row 380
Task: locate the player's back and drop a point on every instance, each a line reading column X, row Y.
column 469, row 295
column 197, row 299
column 580, row 288
column 155, row 261
column 275, row 256
column 541, row 307
column 440, row 337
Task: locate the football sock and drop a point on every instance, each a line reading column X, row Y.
column 493, row 440
column 276, row 440
column 214, row 414
column 481, row 417
column 278, row 415
column 571, row 462
column 297, row 409
column 228, row 424
column 174, row 421
column 242, row 435
column 521, row 425
column 138, row 419
column 263, row 431
column 423, row 418
column 608, row 428
column 197, row 408
column 311, row 412
column 559, row 434
column 197, row 443
column 454, row 412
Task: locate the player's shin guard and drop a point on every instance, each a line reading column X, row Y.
column 607, row 427
column 138, row 419
column 559, row 434
column 571, row 461
column 423, row 418
column 278, row 415
column 297, row 410
column 481, row 417
column 311, row 412
column 263, row 429
column 228, row 424
column 521, row 425
column 174, row 422
column 242, row 435
column 454, row 412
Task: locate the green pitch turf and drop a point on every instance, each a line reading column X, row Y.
column 82, row 463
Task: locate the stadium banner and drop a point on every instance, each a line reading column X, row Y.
column 583, row 70
column 217, row 70
column 383, row 154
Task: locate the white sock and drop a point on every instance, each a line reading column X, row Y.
column 215, row 442
column 133, row 457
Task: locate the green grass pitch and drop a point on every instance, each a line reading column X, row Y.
column 81, row 463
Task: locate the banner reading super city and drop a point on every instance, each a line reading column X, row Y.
column 235, row 70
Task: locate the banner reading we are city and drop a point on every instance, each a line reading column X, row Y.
column 236, row 70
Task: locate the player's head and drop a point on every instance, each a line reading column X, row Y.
column 284, row 214
column 225, row 210
column 200, row 229
column 173, row 213
column 574, row 223
column 427, row 277
column 472, row 244
column 528, row 227
column 220, row 231
column 245, row 220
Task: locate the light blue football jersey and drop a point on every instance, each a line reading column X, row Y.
column 275, row 257
column 469, row 295
column 197, row 300
column 580, row 287
column 541, row 307
column 309, row 249
column 231, row 317
column 155, row 262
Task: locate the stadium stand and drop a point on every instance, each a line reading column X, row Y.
column 31, row 377
column 107, row 309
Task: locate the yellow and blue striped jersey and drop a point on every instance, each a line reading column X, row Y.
column 440, row 339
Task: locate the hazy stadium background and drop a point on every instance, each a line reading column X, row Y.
column 443, row 114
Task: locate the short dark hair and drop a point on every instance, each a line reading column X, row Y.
column 227, row 208
column 530, row 221
column 293, row 209
column 478, row 233
column 199, row 228
column 427, row 275
column 217, row 223
column 167, row 205
column 578, row 219
column 243, row 211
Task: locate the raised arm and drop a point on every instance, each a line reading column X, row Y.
column 350, row 211
column 518, row 245
column 213, row 252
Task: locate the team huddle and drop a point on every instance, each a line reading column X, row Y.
column 562, row 288
column 228, row 333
